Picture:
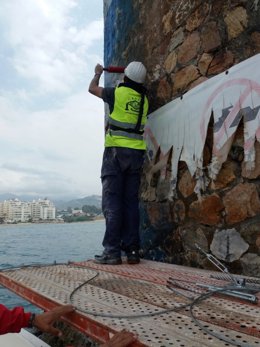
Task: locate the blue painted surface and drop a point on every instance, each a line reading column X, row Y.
column 119, row 22
column 153, row 236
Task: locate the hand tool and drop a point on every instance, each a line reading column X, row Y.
column 114, row 69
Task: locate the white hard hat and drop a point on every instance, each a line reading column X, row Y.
column 136, row 72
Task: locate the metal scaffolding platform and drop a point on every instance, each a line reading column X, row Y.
column 136, row 298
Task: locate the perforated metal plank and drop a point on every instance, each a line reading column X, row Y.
column 229, row 314
column 160, row 272
column 119, row 295
column 80, row 322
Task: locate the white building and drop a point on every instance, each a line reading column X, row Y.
column 43, row 210
column 20, row 211
column 15, row 211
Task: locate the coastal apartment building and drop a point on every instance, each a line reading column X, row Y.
column 21, row 211
column 43, row 209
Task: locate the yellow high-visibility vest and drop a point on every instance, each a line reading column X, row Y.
column 122, row 121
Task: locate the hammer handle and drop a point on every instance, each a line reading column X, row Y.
column 114, row 69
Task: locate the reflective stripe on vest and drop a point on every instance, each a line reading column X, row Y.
column 124, row 124
column 126, row 134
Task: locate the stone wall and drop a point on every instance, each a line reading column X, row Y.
column 183, row 43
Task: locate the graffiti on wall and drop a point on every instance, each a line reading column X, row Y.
column 179, row 128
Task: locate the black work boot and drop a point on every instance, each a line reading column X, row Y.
column 133, row 257
column 108, row 259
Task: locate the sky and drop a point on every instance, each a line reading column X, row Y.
column 51, row 128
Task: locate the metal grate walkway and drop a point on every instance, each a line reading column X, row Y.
column 131, row 296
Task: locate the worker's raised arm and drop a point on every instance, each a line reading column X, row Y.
column 94, row 84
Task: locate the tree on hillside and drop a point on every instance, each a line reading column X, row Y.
column 91, row 209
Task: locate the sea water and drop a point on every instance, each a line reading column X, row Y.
column 24, row 244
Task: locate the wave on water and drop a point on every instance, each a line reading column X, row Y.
column 45, row 244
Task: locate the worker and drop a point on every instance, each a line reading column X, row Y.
column 122, row 162
column 12, row 321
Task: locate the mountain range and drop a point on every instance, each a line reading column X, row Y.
column 92, row 200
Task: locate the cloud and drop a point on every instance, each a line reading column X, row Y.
column 51, row 127
column 48, row 48
column 66, row 143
